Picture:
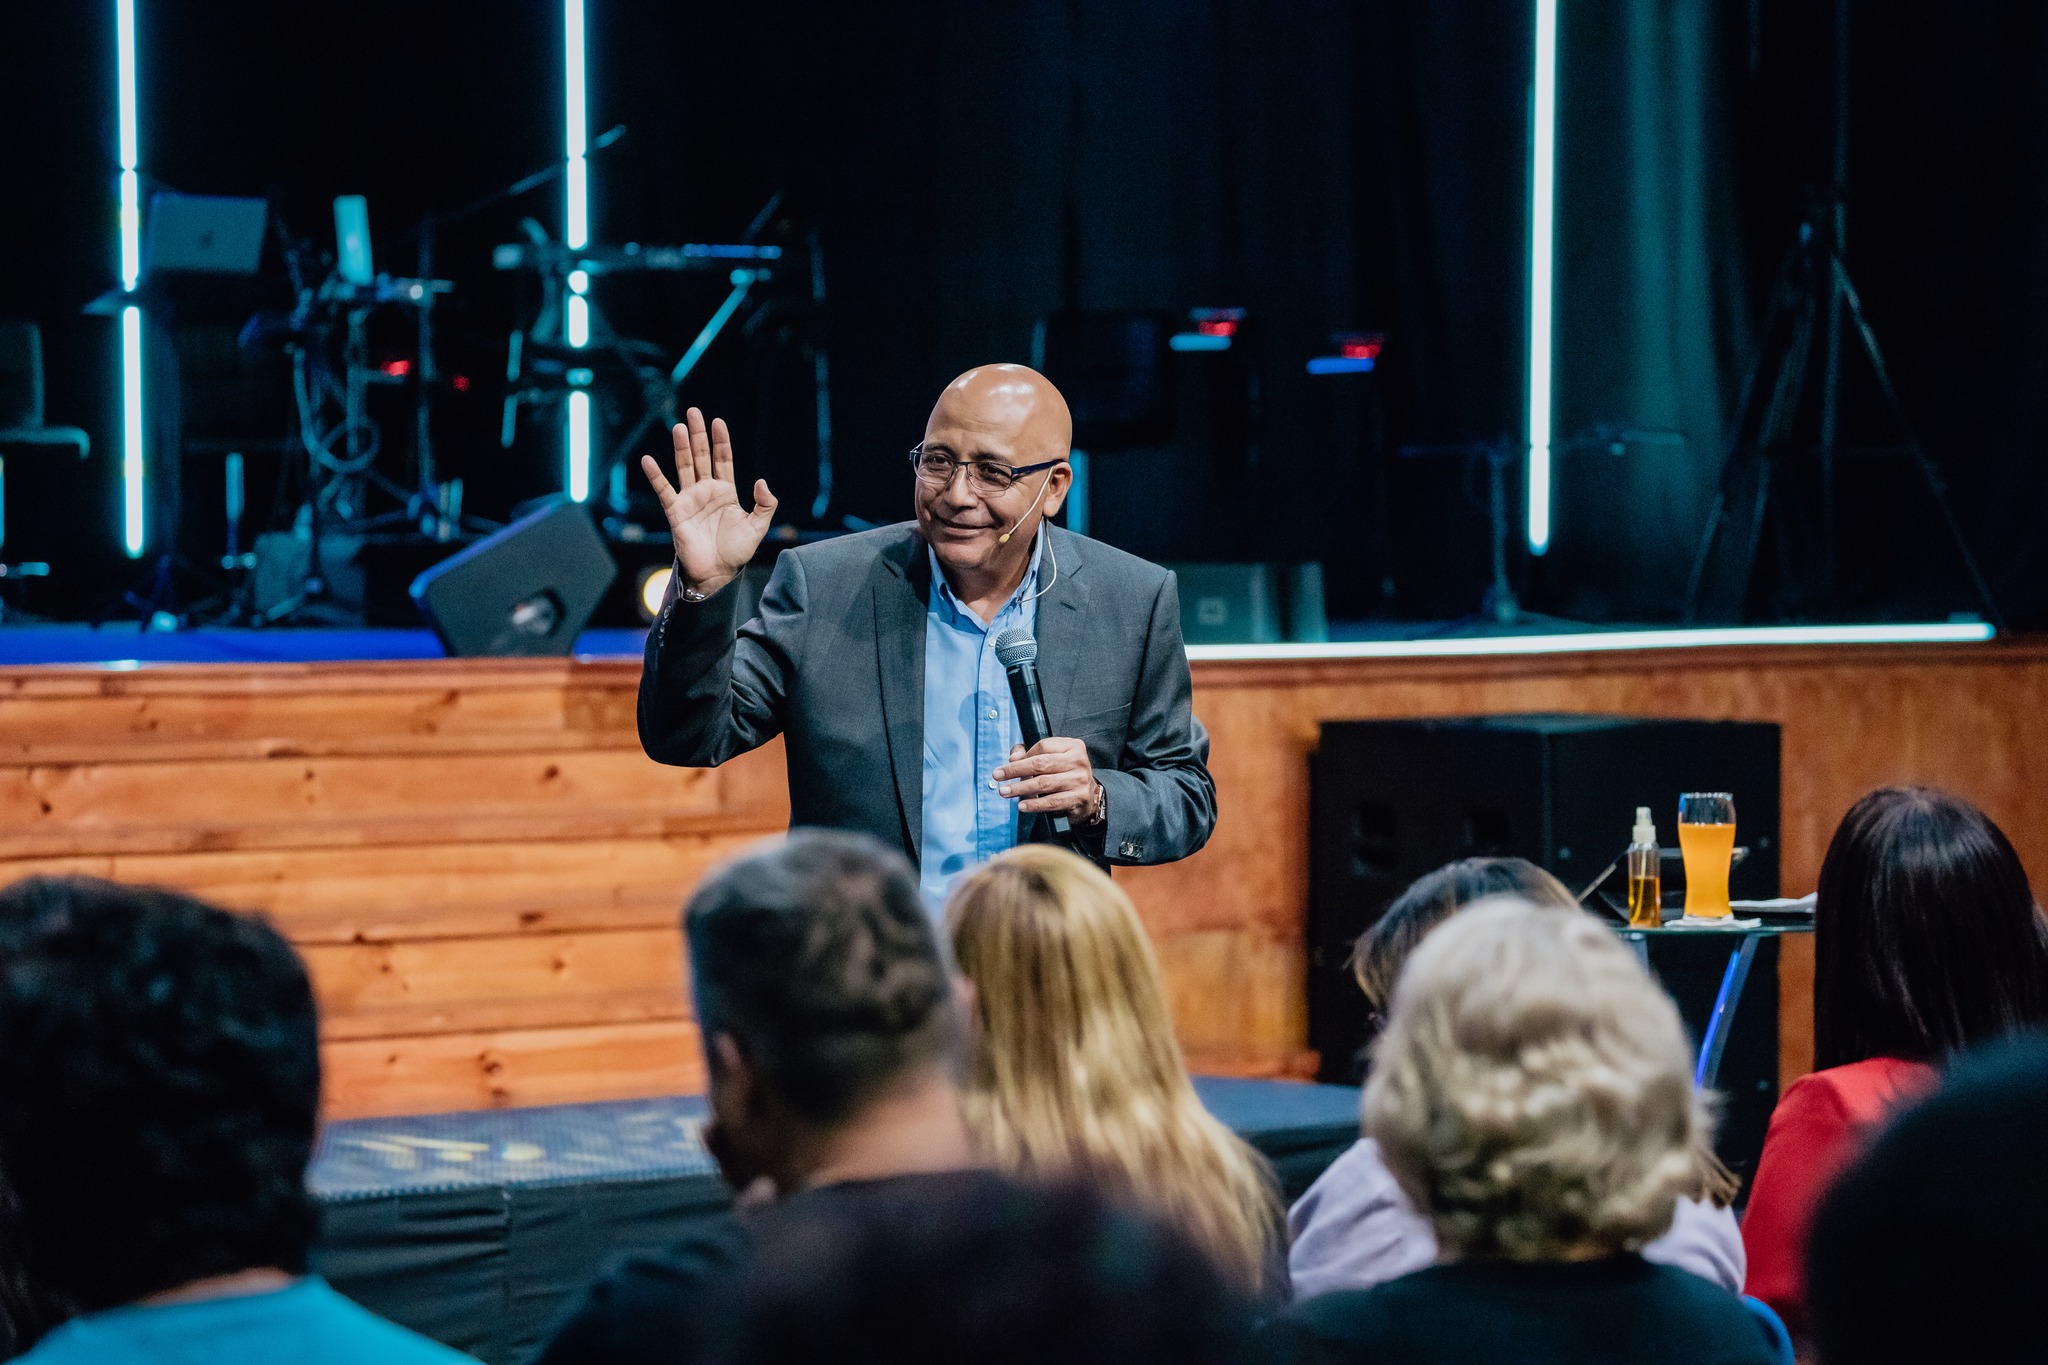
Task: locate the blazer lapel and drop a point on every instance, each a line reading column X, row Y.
column 901, row 583
column 1062, row 626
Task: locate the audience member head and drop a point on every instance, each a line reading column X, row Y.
column 1929, row 1247
column 1927, row 936
column 987, row 1272
column 819, row 991
column 160, row 1066
column 28, row 1308
column 1532, row 1091
column 1076, row 1072
column 1382, row 950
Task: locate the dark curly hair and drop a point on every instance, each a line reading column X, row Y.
column 1927, row 937
column 818, row 959
column 161, row 1072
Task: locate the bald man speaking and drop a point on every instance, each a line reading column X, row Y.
column 874, row 655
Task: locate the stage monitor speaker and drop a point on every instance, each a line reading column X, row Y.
column 528, row 589
column 1251, row 604
column 1391, row 800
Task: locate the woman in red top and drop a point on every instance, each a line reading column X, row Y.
column 1927, row 940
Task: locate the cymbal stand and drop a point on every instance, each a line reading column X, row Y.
column 437, row 505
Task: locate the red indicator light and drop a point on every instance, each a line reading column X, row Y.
column 1217, row 327
column 397, row 369
column 461, row 382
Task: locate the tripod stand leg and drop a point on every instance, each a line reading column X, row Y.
column 1930, row 471
column 1753, row 416
column 1704, row 553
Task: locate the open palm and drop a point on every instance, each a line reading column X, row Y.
column 714, row 536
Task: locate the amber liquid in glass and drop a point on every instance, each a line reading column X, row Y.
column 1708, row 851
column 1645, row 902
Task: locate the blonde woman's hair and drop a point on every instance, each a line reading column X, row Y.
column 1532, row 1092
column 1076, row 1072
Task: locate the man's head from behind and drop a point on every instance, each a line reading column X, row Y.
column 819, row 986
column 160, row 1070
column 980, row 1271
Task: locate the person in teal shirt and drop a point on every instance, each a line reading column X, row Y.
column 161, row 1067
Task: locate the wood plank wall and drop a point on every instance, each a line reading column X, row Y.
column 484, row 872
column 1971, row 718
column 481, row 868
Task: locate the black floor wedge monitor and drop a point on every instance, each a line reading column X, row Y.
column 528, row 589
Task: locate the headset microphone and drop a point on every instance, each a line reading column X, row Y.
column 1004, row 538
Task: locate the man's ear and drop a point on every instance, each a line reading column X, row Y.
column 1062, row 477
column 732, row 1079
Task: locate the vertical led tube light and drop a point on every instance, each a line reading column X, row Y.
column 131, row 276
column 131, row 429
column 1542, row 196
column 575, row 234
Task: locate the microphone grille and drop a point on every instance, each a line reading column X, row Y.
column 1015, row 647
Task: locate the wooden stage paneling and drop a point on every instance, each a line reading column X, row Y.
column 484, row 872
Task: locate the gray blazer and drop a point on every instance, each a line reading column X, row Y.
column 834, row 662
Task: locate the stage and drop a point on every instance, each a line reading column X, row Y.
column 476, row 1228
column 483, row 871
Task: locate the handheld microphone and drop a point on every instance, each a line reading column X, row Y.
column 1017, row 652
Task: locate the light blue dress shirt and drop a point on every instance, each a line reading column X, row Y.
column 969, row 726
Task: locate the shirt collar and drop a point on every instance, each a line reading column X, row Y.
column 944, row 590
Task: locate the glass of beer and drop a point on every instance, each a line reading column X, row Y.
column 1706, row 840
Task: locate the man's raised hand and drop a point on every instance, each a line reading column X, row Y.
column 714, row 538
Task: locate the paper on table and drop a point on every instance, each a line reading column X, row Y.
column 1784, row 905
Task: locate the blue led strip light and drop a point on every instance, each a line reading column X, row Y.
column 576, row 234
column 132, row 471
column 1542, row 197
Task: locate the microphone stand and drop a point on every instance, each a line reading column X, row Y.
column 442, row 498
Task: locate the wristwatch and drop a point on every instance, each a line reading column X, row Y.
column 690, row 594
column 1101, row 816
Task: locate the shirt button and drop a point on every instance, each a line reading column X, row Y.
column 991, row 713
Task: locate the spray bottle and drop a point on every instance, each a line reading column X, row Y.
column 1645, row 874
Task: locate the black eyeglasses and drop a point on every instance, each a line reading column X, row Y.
column 990, row 479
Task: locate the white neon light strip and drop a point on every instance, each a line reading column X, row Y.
column 131, row 276
column 1542, row 193
column 579, row 446
column 131, row 206
column 1602, row 642
column 131, row 429
column 576, row 233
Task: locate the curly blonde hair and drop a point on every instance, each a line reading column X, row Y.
column 1532, row 1092
column 1076, row 1071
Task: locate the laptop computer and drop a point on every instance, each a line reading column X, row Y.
column 203, row 233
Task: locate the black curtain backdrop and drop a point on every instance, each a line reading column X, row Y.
column 1650, row 303
column 1327, row 166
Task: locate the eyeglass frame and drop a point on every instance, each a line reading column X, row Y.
column 1016, row 472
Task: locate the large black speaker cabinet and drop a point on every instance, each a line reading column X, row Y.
column 1391, row 800
column 528, row 589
